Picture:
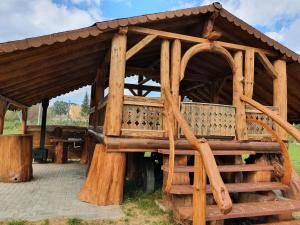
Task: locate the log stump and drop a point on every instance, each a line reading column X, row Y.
column 105, row 181
column 60, row 153
column 15, row 158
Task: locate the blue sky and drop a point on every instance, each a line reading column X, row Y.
column 20, row 19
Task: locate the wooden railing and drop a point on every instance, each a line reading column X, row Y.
column 205, row 162
column 287, row 166
column 142, row 117
column 290, row 129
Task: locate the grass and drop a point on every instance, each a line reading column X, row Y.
column 74, row 221
column 294, row 152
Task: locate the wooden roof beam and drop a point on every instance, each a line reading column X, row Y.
column 208, row 29
column 267, row 64
column 143, row 87
column 13, row 102
column 140, row 45
column 192, row 39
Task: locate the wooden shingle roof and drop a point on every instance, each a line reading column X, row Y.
column 51, row 65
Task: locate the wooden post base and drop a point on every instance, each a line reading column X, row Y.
column 60, row 153
column 105, row 181
column 15, row 158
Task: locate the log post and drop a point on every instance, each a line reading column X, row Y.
column 24, row 120
column 165, row 75
column 45, row 104
column 3, row 108
column 114, row 109
column 199, row 192
column 280, row 94
column 175, row 76
column 92, row 104
column 249, row 73
column 240, row 116
column 99, row 94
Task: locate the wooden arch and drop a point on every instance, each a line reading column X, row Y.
column 206, row 47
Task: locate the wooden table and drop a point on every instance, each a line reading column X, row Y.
column 61, row 150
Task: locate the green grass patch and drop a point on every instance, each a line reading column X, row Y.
column 46, row 222
column 74, row 221
column 294, row 152
column 17, row 223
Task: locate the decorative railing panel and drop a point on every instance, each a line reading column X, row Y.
column 142, row 116
column 257, row 132
column 207, row 120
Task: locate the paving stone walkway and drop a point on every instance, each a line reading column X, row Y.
column 52, row 194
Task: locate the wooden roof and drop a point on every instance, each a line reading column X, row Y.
column 51, row 65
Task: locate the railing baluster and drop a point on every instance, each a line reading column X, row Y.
column 199, row 192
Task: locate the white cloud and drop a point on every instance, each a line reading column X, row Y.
column 22, row 18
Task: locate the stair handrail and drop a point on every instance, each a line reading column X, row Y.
column 286, row 178
column 289, row 128
column 219, row 190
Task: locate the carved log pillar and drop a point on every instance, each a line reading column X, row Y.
column 249, row 73
column 238, row 90
column 116, row 85
column 280, row 94
column 92, row 104
column 3, row 108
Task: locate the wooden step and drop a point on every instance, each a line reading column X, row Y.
column 291, row 222
column 232, row 187
column 215, row 152
column 242, row 210
column 224, row 168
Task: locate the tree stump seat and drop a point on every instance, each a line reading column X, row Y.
column 15, row 158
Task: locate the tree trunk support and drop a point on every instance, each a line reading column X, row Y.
column 105, row 181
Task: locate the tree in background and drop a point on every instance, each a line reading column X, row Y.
column 60, row 108
column 85, row 106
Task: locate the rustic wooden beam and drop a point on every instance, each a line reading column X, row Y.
column 146, row 93
column 280, row 94
column 192, row 39
column 175, row 77
column 267, row 64
column 3, row 108
column 144, row 87
column 199, row 192
column 140, row 45
column 13, row 102
column 249, row 73
column 24, row 120
column 132, row 92
column 116, row 85
column 165, row 77
column 240, row 117
column 208, row 29
column 144, row 81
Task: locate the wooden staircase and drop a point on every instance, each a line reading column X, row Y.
column 251, row 209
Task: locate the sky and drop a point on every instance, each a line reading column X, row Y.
column 19, row 19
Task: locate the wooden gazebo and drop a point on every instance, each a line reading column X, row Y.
column 226, row 90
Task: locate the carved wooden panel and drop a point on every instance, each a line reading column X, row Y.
column 142, row 114
column 255, row 130
column 209, row 119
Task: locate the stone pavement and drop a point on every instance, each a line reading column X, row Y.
column 51, row 194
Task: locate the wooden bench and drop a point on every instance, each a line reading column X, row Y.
column 61, row 148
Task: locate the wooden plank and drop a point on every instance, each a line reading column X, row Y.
column 241, row 210
column 13, row 102
column 116, row 85
column 192, row 39
column 267, row 64
column 233, row 188
column 131, row 150
column 143, row 87
column 237, row 89
column 249, row 72
column 142, row 133
column 226, row 168
column 280, row 94
column 140, row 45
column 3, row 108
